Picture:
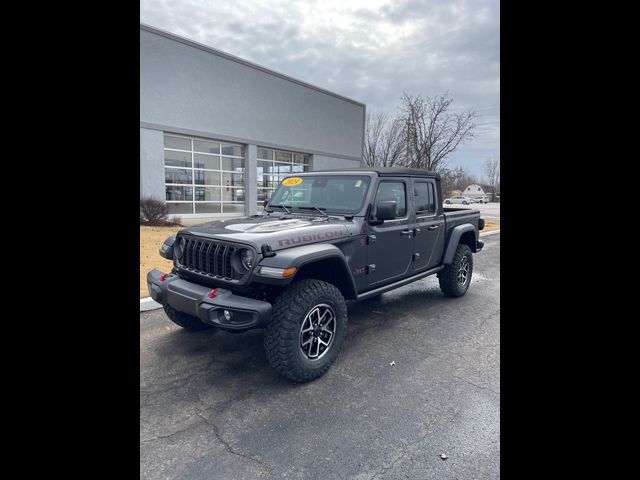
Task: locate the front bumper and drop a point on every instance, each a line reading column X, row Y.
column 193, row 299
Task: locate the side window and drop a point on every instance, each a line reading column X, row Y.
column 424, row 197
column 432, row 197
column 394, row 192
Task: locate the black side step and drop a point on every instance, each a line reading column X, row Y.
column 399, row 283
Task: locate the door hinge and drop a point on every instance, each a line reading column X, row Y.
column 371, row 268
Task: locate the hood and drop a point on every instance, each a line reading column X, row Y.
column 278, row 232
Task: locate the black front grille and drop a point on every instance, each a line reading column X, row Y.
column 207, row 257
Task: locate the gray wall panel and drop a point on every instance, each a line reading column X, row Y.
column 194, row 89
column 152, row 163
column 321, row 162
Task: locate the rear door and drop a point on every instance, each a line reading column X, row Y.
column 390, row 247
column 429, row 226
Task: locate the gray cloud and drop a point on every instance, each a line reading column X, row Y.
column 369, row 50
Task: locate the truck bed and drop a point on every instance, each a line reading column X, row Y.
column 457, row 216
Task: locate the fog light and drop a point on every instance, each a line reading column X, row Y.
column 227, row 315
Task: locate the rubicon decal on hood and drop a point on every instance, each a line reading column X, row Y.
column 315, row 237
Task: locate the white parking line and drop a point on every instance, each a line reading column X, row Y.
column 148, row 303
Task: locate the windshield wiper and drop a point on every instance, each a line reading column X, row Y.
column 315, row 208
column 283, row 206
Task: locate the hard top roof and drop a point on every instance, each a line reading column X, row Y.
column 386, row 171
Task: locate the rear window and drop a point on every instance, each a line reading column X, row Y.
column 424, row 198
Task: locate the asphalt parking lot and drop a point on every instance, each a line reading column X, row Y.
column 211, row 406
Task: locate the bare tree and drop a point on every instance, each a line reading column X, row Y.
column 447, row 181
column 383, row 140
column 462, row 179
column 431, row 131
column 456, row 179
column 491, row 170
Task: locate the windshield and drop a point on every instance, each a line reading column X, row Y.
column 333, row 193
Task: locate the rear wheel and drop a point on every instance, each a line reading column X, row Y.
column 188, row 322
column 465, row 203
column 448, row 202
column 456, row 277
column 307, row 329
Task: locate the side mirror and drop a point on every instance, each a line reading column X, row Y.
column 386, row 210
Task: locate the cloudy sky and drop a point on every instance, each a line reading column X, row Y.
column 368, row 50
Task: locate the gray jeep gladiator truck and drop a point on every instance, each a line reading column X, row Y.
column 324, row 238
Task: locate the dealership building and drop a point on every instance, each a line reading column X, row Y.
column 218, row 133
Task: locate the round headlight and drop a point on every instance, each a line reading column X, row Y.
column 247, row 258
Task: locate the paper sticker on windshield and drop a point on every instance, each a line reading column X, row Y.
column 291, row 181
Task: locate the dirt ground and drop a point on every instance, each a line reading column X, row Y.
column 151, row 239
column 491, row 224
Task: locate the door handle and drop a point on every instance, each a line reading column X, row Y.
column 434, row 227
column 405, row 232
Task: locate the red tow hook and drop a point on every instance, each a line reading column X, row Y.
column 213, row 292
column 163, row 277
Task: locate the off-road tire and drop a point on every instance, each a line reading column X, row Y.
column 448, row 277
column 282, row 334
column 188, row 322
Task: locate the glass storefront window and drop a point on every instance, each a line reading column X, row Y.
column 180, row 208
column 210, row 162
column 273, row 166
column 208, row 208
column 179, row 192
column 206, row 147
column 200, row 175
column 207, row 176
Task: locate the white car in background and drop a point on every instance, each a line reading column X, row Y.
column 483, row 199
column 458, row 199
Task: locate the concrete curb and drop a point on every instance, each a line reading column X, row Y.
column 149, row 303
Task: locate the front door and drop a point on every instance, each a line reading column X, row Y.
column 428, row 241
column 390, row 245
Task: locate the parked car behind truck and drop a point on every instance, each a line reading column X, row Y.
column 324, row 238
column 458, row 199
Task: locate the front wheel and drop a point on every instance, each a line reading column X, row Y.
column 465, row 203
column 307, row 329
column 455, row 278
column 447, row 202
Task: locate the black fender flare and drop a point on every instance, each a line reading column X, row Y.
column 304, row 255
column 454, row 240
